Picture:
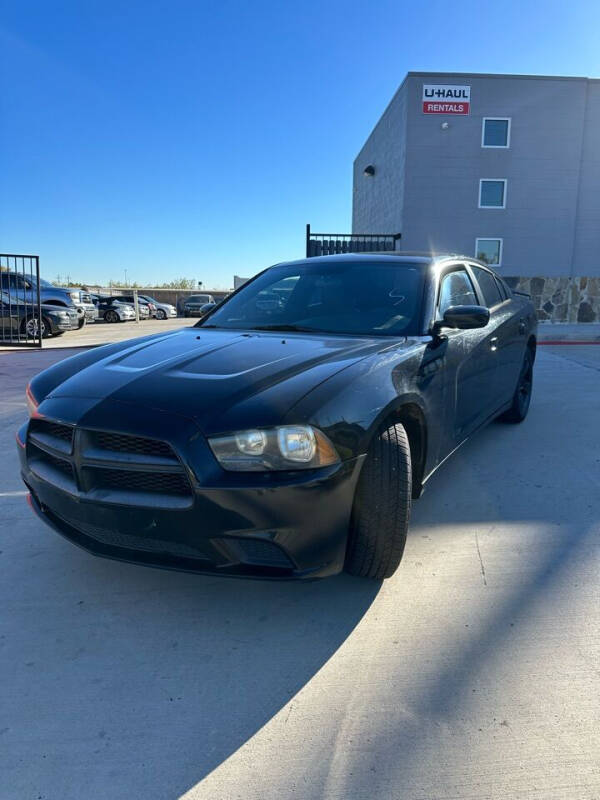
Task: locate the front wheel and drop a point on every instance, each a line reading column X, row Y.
column 161, row 314
column 381, row 511
column 80, row 323
column 32, row 330
column 111, row 316
column 522, row 396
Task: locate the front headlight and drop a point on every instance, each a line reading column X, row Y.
column 74, row 295
column 284, row 448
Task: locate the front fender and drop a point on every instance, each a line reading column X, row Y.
column 351, row 406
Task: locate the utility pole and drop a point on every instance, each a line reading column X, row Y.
column 125, row 277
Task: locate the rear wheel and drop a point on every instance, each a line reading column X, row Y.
column 522, row 396
column 381, row 509
column 80, row 323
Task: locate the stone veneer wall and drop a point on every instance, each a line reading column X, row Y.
column 562, row 299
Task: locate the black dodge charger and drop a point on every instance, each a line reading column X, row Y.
column 287, row 432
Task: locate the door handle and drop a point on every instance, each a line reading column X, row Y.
column 494, row 343
column 522, row 327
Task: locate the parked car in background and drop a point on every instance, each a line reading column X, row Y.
column 143, row 309
column 163, row 310
column 206, row 308
column 284, row 441
column 21, row 318
column 142, row 303
column 86, row 310
column 24, row 288
column 112, row 310
column 193, row 304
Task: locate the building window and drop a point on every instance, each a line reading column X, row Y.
column 492, row 193
column 495, row 132
column 489, row 251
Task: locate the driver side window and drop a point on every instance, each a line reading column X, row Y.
column 456, row 289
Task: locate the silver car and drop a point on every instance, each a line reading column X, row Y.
column 114, row 311
column 163, row 310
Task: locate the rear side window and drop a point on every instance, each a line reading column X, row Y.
column 501, row 287
column 456, row 289
column 489, row 287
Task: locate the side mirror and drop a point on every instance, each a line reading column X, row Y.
column 463, row 317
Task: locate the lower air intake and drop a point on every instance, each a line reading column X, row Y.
column 259, row 552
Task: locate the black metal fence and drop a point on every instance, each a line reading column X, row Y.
column 329, row 244
column 21, row 320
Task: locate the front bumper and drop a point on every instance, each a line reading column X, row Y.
column 277, row 525
column 59, row 324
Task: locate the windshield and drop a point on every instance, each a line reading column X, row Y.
column 47, row 284
column 347, row 297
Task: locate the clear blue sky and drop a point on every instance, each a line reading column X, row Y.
column 197, row 138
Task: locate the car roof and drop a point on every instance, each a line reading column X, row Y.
column 398, row 256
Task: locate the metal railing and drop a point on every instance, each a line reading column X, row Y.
column 329, row 244
column 21, row 320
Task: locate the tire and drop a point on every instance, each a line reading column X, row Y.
column 185, row 314
column 111, row 316
column 29, row 328
column 522, row 396
column 58, row 333
column 160, row 314
column 381, row 510
column 80, row 323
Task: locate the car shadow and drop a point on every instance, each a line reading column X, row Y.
column 125, row 676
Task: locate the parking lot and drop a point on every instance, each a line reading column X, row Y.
column 472, row 673
column 101, row 332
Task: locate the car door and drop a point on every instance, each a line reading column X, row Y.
column 509, row 332
column 471, row 358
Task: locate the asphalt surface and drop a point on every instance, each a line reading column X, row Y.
column 472, row 673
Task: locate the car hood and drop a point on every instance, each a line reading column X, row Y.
column 224, row 380
column 49, row 308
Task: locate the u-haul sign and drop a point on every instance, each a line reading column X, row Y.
column 446, row 99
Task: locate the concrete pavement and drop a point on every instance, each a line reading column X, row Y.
column 472, row 673
column 568, row 332
column 98, row 333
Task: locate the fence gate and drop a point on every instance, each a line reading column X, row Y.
column 329, row 244
column 21, row 320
